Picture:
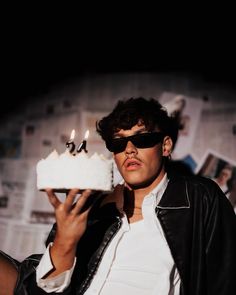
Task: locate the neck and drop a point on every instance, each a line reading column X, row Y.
column 140, row 192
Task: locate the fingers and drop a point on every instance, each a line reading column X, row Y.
column 84, row 215
column 52, row 198
column 81, row 201
column 68, row 204
column 70, row 198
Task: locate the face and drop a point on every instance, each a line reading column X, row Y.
column 225, row 174
column 141, row 167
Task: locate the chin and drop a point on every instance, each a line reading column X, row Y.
column 133, row 179
column 140, row 181
column 139, row 184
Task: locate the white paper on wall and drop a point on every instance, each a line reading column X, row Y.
column 222, row 170
column 188, row 110
column 31, row 139
column 16, row 177
column 215, row 131
column 3, row 233
column 24, row 239
column 40, row 137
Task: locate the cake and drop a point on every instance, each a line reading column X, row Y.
column 65, row 171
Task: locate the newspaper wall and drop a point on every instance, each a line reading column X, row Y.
column 25, row 213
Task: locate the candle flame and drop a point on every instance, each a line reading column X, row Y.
column 72, row 136
column 86, row 134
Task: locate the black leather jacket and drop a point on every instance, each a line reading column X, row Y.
column 200, row 228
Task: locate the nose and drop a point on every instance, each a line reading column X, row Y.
column 130, row 149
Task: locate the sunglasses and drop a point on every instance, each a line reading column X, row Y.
column 141, row 141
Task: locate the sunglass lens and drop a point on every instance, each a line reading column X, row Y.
column 117, row 145
column 144, row 140
column 147, row 140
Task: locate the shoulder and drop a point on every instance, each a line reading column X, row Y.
column 192, row 180
column 204, row 182
column 197, row 186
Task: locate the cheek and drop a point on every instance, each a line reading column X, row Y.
column 152, row 155
column 119, row 159
column 151, row 158
column 154, row 159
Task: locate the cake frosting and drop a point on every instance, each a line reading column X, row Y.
column 65, row 171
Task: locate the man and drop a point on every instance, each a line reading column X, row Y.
column 158, row 233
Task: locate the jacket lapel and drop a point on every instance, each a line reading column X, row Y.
column 174, row 214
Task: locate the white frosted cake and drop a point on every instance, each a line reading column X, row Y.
column 66, row 171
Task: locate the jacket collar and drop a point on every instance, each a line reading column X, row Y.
column 176, row 194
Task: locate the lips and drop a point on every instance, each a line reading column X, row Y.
column 132, row 164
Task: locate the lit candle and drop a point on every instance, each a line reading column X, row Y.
column 70, row 144
column 82, row 146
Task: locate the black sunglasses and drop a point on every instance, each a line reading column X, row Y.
column 141, row 141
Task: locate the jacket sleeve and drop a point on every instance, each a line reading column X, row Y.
column 220, row 236
column 26, row 283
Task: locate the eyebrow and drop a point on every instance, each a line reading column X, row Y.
column 117, row 135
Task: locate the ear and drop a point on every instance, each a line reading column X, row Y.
column 167, row 146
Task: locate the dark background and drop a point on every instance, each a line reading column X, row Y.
column 36, row 55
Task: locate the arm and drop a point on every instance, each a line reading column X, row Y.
column 8, row 274
column 71, row 224
column 57, row 283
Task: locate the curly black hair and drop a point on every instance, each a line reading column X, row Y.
column 132, row 111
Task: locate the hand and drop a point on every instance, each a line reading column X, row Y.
column 71, row 225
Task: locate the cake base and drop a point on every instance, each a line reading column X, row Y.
column 63, row 190
column 66, row 190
